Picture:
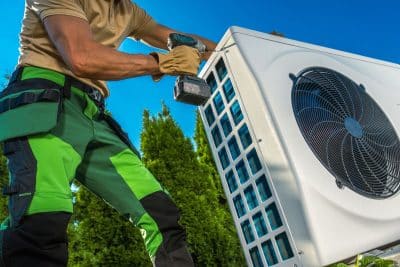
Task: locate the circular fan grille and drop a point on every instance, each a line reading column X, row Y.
column 348, row 132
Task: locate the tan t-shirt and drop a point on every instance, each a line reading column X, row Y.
column 111, row 21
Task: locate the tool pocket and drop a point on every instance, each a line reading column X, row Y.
column 25, row 111
column 22, row 168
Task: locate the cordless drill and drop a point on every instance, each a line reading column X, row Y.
column 189, row 89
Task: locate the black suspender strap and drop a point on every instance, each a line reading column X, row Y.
column 67, row 86
column 17, row 74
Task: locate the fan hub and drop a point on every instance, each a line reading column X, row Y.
column 353, row 127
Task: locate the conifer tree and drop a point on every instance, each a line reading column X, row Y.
column 170, row 156
column 3, row 182
column 207, row 161
column 99, row 236
column 205, row 157
column 3, row 175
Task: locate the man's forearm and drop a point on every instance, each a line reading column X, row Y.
column 100, row 62
column 88, row 59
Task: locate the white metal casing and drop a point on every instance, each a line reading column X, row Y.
column 324, row 223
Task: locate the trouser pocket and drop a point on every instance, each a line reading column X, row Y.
column 25, row 111
column 22, row 168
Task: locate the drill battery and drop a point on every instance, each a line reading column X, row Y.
column 191, row 90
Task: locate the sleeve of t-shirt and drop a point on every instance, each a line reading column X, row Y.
column 46, row 8
column 141, row 22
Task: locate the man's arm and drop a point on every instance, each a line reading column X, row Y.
column 159, row 35
column 88, row 59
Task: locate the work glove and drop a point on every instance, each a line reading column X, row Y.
column 180, row 60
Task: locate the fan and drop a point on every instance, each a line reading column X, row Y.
column 347, row 131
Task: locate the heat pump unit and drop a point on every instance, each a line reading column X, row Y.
column 306, row 143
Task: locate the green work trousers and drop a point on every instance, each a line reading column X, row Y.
column 84, row 143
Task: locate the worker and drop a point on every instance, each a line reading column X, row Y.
column 55, row 127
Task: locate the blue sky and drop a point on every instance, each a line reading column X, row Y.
column 369, row 28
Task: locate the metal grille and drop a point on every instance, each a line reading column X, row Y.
column 347, row 131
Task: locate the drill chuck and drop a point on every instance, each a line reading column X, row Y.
column 176, row 39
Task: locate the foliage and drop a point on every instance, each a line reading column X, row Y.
column 171, row 157
column 368, row 261
column 372, row 261
column 3, row 182
column 205, row 157
column 3, row 176
column 339, row 265
column 207, row 162
column 99, row 236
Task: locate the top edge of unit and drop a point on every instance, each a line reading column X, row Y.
column 236, row 32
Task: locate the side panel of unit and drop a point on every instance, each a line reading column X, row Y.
column 274, row 167
column 267, row 134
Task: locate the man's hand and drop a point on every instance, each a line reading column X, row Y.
column 88, row 59
column 180, row 60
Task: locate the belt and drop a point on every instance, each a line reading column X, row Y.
column 69, row 81
column 93, row 93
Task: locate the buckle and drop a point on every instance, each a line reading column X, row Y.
column 96, row 96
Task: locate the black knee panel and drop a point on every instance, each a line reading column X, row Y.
column 165, row 213
column 40, row 240
column 173, row 251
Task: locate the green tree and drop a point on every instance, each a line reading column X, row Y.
column 3, row 174
column 3, row 182
column 171, row 157
column 205, row 157
column 206, row 161
column 99, row 236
